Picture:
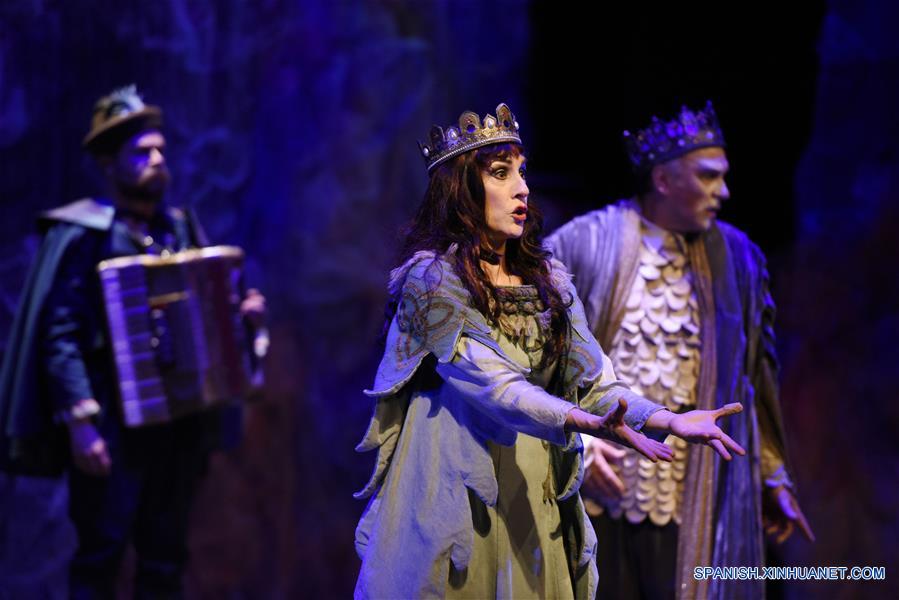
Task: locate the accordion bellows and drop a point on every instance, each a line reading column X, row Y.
column 178, row 340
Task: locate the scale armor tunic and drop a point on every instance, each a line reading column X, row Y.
column 656, row 352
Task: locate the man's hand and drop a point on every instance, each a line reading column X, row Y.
column 781, row 511
column 698, row 427
column 88, row 449
column 612, row 426
column 252, row 307
column 600, row 479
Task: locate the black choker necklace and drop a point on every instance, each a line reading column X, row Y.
column 491, row 257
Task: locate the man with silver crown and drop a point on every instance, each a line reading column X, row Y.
column 62, row 430
column 680, row 301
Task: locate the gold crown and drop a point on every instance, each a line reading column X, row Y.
column 469, row 134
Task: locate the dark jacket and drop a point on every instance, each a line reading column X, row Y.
column 58, row 352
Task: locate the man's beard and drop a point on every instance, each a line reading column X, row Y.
column 148, row 192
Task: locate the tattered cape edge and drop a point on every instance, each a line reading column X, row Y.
column 390, row 408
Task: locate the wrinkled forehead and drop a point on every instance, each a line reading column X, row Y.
column 708, row 159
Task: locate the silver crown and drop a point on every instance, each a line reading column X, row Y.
column 666, row 140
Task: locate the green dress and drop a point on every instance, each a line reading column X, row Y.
column 474, row 487
column 518, row 550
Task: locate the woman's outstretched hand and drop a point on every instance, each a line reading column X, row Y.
column 612, row 426
column 699, row 427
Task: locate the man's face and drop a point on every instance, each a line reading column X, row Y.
column 139, row 170
column 694, row 189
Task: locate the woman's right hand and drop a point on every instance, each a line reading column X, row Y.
column 612, row 426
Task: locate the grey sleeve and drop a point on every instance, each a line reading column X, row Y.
column 498, row 388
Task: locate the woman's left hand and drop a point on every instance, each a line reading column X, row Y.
column 698, row 426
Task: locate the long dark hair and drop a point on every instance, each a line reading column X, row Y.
column 453, row 212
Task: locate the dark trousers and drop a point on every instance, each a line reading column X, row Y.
column 635, row 562
column 146, row 500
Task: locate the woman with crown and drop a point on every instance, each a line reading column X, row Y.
column 489, row 374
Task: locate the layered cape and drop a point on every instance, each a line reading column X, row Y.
column 722, row 521
column 432, row 442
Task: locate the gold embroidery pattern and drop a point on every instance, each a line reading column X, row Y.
column 422, row 319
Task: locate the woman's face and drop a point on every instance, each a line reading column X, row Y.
column 506, row 198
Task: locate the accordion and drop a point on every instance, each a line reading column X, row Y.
column 178, row 340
